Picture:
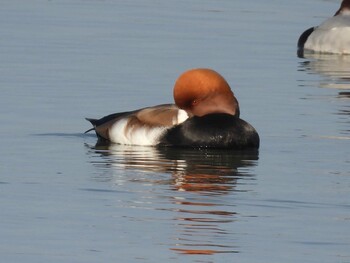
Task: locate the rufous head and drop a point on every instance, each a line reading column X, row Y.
column 344, row 8
column 203, row 91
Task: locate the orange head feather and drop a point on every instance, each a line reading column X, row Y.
column 204, row 91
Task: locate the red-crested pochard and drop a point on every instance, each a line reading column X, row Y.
column 205, row 114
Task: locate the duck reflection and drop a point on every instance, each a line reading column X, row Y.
column 197, row 179
column 204, row 170
column 335, row 69
column 335, row 72
column 344, row 113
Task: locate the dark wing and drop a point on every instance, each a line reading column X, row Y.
column 101, row 126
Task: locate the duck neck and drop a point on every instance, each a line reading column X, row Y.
column 219, row 103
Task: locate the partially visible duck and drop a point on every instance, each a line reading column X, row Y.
column 205, row 114
column 332, row 36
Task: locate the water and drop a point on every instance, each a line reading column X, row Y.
column 66, row 199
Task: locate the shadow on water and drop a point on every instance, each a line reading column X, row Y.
column 197, row 183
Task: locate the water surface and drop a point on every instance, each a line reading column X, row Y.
column 65, row 198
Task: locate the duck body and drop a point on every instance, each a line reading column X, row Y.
column 205, row 114
column 217, row 130
column 332, row 36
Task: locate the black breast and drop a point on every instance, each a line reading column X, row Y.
column 213, row 131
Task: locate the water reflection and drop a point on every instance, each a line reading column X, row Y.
column 335, row 69
column 344, row 113
column 335, row 73
column 197, row 182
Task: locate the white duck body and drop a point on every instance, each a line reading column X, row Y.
column 332, row 36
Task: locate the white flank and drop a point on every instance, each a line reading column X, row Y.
column 181, row 117
column 332, row 36
column 119, row 133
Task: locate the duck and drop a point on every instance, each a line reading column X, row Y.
column 205, row 114
column 332, row 36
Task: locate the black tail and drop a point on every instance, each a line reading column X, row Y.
column 302, row 40
column 93, row 122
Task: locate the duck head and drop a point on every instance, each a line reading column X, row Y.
column 204, row 91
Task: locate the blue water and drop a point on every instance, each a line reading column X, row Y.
column 66, row 199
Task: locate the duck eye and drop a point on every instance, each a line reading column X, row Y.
column 194, row 102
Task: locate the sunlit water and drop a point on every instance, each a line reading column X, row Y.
column 66, row 198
